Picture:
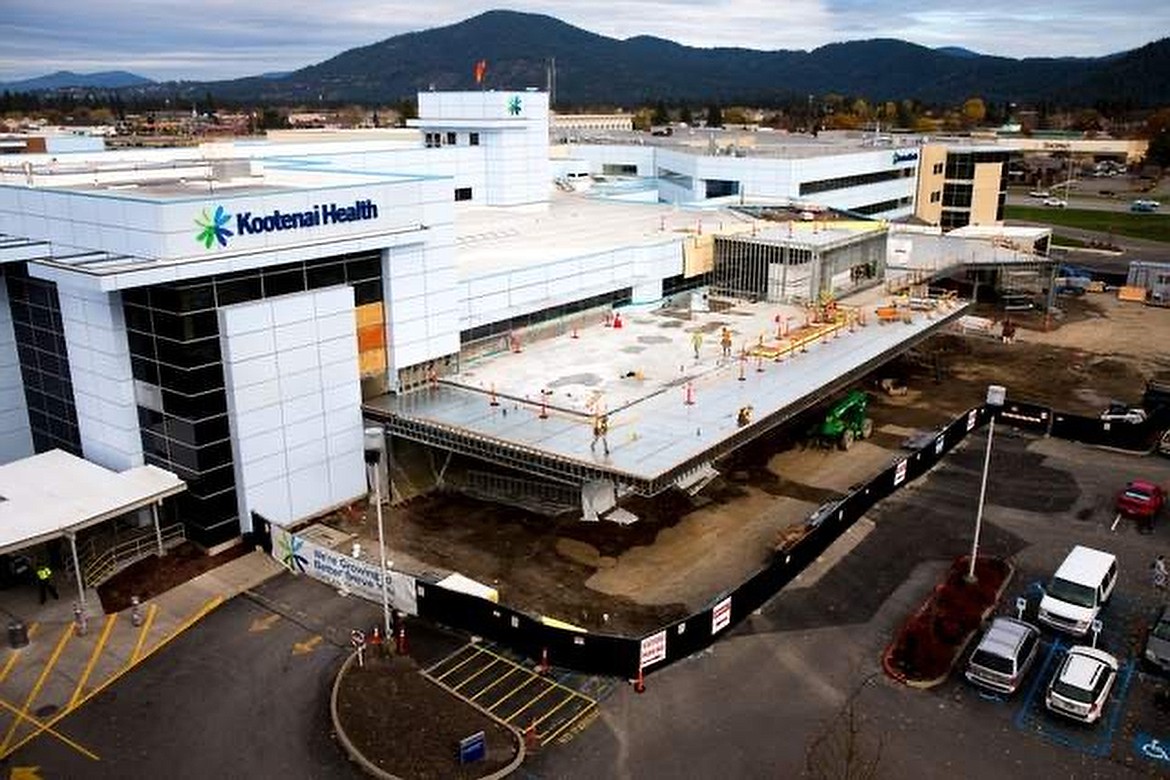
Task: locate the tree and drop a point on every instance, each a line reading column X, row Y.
column 660, row 116
column 272, row 119
column 1157, row 129
column 685, row 116
column 974, row 111
column 714, row 115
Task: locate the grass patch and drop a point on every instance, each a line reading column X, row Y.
column 1069, row 241
column 1153, row 227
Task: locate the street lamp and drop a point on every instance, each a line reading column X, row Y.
column 373, row 457
column 995, row 398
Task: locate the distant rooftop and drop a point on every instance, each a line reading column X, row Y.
column 575, row 225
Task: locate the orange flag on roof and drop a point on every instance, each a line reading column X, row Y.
column 480, row 70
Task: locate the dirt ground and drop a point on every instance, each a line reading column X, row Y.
column 154, row 575
column 683, row 553
column 409, row 727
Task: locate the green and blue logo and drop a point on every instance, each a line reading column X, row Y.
column 514, row 105
column 290, row 552
column 214, row 228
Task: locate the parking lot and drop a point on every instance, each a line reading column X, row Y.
column 807, row 665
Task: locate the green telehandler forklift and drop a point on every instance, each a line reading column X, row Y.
column 846, row 421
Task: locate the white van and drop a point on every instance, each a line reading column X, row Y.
column 1075, row 594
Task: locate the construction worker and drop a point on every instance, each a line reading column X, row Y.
column 696, row 342
column 600, row 429
column 725, row 342
column 45, row 579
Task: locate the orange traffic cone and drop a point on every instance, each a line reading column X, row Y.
column 640, row 682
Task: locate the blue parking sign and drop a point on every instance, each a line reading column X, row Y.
column 472, row 748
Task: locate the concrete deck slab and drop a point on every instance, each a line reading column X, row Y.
column 547, row 394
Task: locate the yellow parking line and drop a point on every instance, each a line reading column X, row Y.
column 477, row 674
column 198, row 615
column 532, row 701
column 462, row 663
column 209, row 605
column 468, row 646
column 550, row 713
column 570, row 722
column 512, row 692
column 93, row 657
column 563, row 687
column 15, row 654
column 66, row 635
column 494, row 683
column 151, row 611
column 41, row 727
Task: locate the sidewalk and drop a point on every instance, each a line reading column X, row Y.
column 59, row 669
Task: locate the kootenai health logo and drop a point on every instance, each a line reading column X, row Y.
column 213, row 228
column 514, row 105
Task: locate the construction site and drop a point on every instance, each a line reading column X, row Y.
column 629, row 467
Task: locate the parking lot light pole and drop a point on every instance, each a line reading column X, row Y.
column 373, row 456
column 995, row 398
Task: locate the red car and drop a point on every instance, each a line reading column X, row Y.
column 1142, row 501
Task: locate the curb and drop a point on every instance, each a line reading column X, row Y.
column 372, row 769
column 960, row 648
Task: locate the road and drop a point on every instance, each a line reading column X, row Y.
column 245, row 693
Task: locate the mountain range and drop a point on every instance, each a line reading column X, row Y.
column 65, row 79
column 594, row 70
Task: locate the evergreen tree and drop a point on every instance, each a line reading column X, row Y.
column 714, row 115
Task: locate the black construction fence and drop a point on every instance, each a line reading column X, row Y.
column 623, row 656
column 609, row 654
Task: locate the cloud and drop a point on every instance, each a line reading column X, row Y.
column 211, row 39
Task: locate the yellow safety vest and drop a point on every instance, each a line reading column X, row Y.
column 44, row 572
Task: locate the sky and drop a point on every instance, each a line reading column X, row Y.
column 219, row 39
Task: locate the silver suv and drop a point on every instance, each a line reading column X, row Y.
column 1004, row 655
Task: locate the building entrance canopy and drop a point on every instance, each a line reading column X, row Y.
column 55, row 494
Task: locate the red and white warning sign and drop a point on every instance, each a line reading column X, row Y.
column 971, row 417
column 721, row 616
column 900, row 473
column 654, row 649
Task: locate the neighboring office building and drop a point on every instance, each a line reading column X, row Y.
column 962, row 185
column 877, row 183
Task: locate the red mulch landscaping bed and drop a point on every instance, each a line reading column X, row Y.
column 932, row 638
column 410, row 727
column 154, row 576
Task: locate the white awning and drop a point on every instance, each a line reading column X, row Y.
column 54, row 493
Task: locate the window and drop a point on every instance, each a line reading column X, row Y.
column 935, row 196
column 462, row 193
column 858, row 180
column 433, row 140
column 451, row 139
column 473, row 139
column 938, row 168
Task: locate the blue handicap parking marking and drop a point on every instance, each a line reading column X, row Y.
column 1097, row 739
column 1152, row 749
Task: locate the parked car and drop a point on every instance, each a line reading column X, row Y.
column 1081, row 686
column 1141, row 500
column 1077, row 591
column 1058, row 203
column 1039, row 193
column 1119, row 412
column 1157, row 652
column 1004, row 655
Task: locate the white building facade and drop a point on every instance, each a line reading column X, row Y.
column 223, row 312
